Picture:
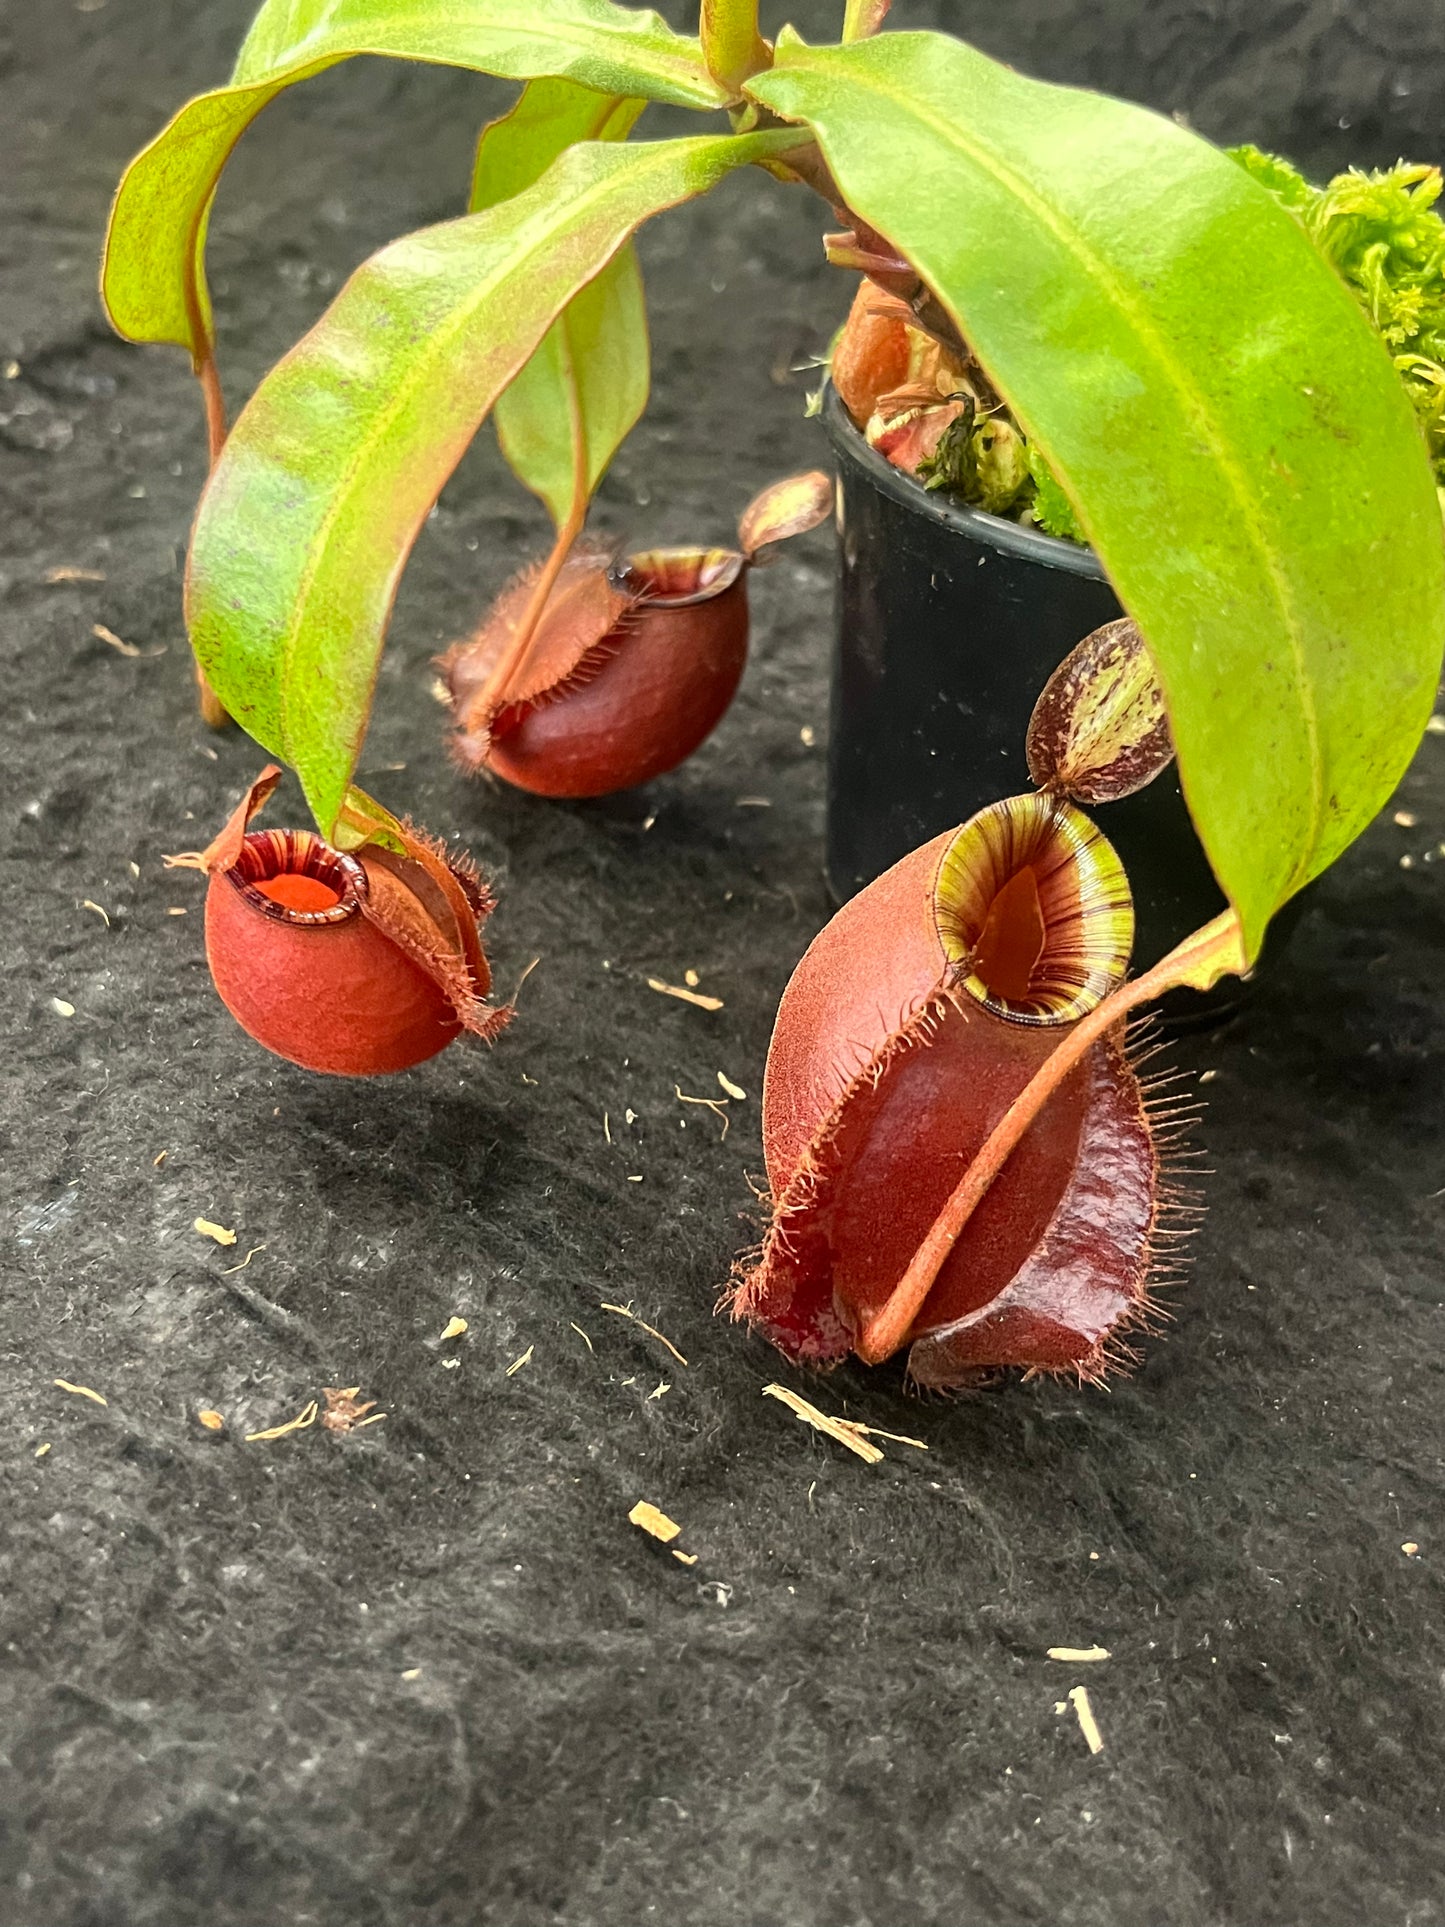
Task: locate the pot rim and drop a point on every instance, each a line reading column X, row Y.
column 994, row 531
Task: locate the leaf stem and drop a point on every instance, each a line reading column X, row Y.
column 209, row 377
column 732, row 47
column 213, row 710
column 567, row 533
column 1212, row 952
column 863, row 18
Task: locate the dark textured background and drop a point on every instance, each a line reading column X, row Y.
column 429, row 1675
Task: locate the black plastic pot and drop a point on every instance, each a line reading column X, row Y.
column 949, row 624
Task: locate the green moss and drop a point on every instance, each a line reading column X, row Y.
column 1051, row 508
column 1382, row 236
column 982, row 459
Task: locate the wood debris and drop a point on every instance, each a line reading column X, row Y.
column 847, row 1431
column 108, row 636
column 297, row 1424
column 65, row 573
column 687, row 996
column 582, row 1335
column 80, row 1391
column 517, row 1363
column 717, row 1105
column 345, row 1411
column 662, row 1389
column 1088, row 1725
column 877, row 1432
column 99, row 909
column 754, row 803
column 733, row 1090
column 230, row 1269
column 455, row 1328
column 159, row 1159
column 212, row 1421
column 1079, row 1655
column 217, row 1231
column 41, row 1450
column 691, row 979
column 687, row 1558
column 838, row 1429
column 651, row 1520
column 626, row 1311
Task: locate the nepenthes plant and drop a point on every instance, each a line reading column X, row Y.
column 1175, row 356
column 352, row 964
column 963, row 1158
column 1224, row 421
column 590, row 674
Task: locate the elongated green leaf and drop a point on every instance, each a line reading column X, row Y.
column 1229, row 429
column 549, row 117
column 153, row 274
column 586, row 384
column 310, row 513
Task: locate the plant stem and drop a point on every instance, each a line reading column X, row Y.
column 1212, row 952
column 731, row 44
column 863, row 18
column 209, row 377
column 213, row 710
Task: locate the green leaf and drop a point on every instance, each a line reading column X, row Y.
column 549, row 117
column 153, row 273
column 571, row 407
column 1230, row 432
column 310, row 513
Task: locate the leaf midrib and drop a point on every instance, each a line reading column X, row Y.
column 1194, row 405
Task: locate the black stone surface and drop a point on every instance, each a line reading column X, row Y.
column 428, row 1674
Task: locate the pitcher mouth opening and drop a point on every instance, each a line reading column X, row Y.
column 1033, row 910
column 292, row 876
column 677, row 578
